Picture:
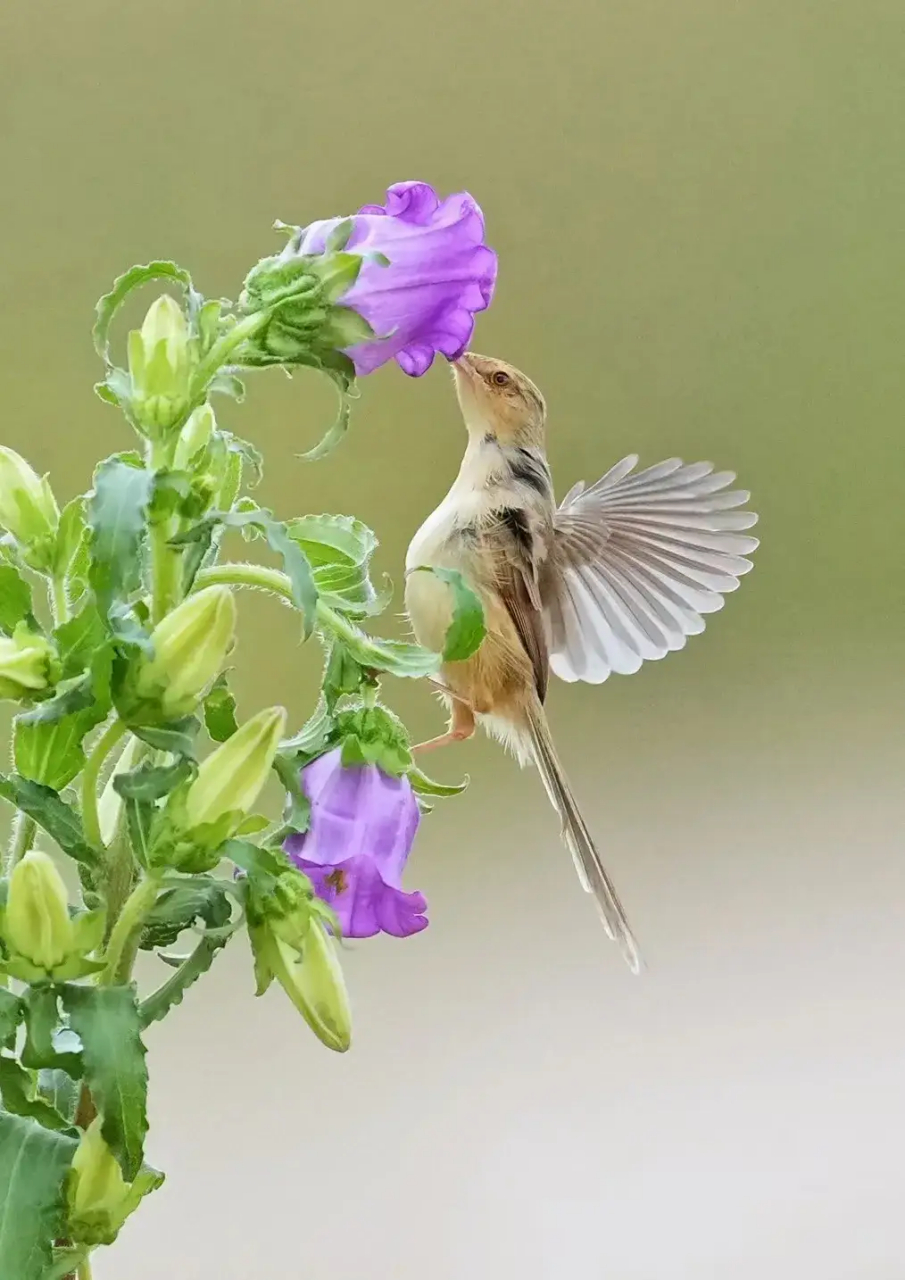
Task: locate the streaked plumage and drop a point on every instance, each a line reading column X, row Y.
column 619, row 573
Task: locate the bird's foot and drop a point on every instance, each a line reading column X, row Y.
column 453, row 735
column 461, row 727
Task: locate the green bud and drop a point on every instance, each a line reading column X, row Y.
column 232, row 777
column 190, row 646
column 36, row 924
column 28, row 663
column 28, row 509
column 194, row 437
column 42, row 939
column 161, row 360
column 99, row 1198
column 311, row 976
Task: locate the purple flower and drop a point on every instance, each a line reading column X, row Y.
column 363, row 825
column 440, row 273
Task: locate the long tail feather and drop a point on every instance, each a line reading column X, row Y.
column 578, row 840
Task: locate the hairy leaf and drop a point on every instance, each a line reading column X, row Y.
column 18, row 1099
column 123, row 285
column 107, row 1021
column 170, row 993
column 220, row 711
column 118, row 518
column 51, row 813
column 15, row 599
column 34, row 1163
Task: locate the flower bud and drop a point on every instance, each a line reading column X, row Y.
column 28, row 663
column 312, row 978
column 194, row 437
column 28, row 509
column 99, row 1198
column 190, row 646
column 232, row 777
column 36, row 924
column 160, row 366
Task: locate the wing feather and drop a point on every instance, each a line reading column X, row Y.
column 638, row 558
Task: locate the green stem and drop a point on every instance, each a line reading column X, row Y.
column 121, row 948
column 245, row 575
column 59, row 600
column 21, row 842
column 90, row 777
column 84, row 1272
column 224, row 347
column 167, row 562
column 276, row 582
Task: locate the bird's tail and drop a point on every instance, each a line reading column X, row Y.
column 577, row 838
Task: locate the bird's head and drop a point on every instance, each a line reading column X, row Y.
column 497, row 399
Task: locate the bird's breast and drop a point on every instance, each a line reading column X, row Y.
column 446, row 540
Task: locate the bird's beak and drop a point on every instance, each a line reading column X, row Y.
column 463, row 367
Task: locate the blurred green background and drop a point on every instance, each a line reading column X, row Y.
column 698, row 209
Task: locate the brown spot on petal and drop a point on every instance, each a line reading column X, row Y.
column 337, row 881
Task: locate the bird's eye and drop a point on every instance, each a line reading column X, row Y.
column 501, row 379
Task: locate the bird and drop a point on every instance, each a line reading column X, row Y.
column 618, row 573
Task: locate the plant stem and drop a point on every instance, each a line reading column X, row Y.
column 167, row 562
column 223, row 347
column 90, row 776
column 245, row 575
column 59, row 600
column 273, row 580
column 84, row 1271
column 120, row 953
column 21, row 841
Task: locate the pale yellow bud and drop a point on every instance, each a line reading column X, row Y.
column 189, row 649
column 232, row 777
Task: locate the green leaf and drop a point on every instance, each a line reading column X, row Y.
column 297, row 809
column 51, row 813
column 11, row 1011
column 151, row 782
column 16, row 1090
column 50, row 752
column 34, row 1163
column 15, row 599
column 339, row 550
column 220, row 711
column 177, row 909
column 139, row 820
column 171, row 992
column 408, row 661
column 107, row 1021
column 178, row 737
column 118, row 518
column 79, row 639
column 60, row 1090
column 333, row 436
column 295, row 563
column 48, row 1044
column 467, row 629
column 123, row 285
column 343, row 676
column 70, row 532
column 425, row 786
column 228, row 385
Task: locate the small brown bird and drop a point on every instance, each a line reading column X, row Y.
column 618, row 573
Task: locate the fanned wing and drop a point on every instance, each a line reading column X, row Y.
column 637, row 559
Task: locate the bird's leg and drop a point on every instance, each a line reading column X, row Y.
column 461, row 726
